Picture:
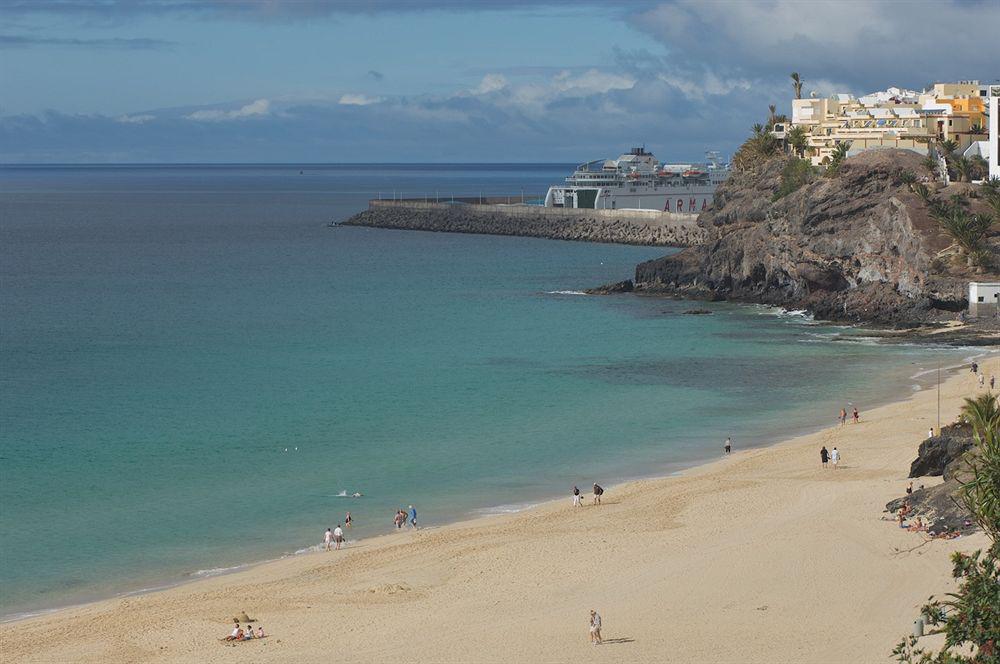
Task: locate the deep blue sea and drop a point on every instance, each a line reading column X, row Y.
column 195, row 369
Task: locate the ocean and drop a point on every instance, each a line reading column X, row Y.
column 196, row 372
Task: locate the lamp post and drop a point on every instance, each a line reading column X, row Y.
column 939, row 398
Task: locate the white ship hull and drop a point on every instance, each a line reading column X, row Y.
column 637, row 181
column 691, row 199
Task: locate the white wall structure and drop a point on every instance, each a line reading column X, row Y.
column 994, row 157
column 984, row 298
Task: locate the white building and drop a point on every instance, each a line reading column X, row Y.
column 994, row 131
column 984, row 298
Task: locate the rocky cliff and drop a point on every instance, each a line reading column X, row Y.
column 859, row 246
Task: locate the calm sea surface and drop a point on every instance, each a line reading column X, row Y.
column 194, row 369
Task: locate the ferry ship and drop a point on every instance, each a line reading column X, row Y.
column 638, row 181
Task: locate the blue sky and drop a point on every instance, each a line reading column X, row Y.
column 444, row 80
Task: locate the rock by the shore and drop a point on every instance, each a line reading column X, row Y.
column 937, row 453
column 856, row 247
column 618, row 287
column 628, row 227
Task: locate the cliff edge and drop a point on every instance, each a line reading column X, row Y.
column 859, row 246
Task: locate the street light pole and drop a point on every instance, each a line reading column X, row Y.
column 939, row 398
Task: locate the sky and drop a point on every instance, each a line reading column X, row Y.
column 225, row 81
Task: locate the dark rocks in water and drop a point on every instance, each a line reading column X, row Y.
column 935, row 454
column 858, row 247
column 609, row 289
column 696, row 312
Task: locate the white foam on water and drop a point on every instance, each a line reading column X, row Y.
column 564, row 292
column 499, row 510
column 217, row 571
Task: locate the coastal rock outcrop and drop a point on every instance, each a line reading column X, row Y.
column 859, row 246
column 938, row 453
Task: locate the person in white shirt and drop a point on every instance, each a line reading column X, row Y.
column 595, row 627
column 835, row 457
column 327, row 539
column 338, row 536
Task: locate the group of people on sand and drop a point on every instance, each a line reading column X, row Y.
column 974, row 368
column 335, row 538
column 248, row 634
column 578, row 496
column 854, row 415
column 402, row 517
column 829, row 457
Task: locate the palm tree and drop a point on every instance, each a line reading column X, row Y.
column 837, row 157
column 931, row 164
column 797, row 84
column 758, row 129
column 963, row 167
column 770, row 114
column 948, row 146
column 797, row 139
column 982, row 412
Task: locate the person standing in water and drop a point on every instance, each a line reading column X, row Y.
column 857, row 417
column 348, row 520
column 843, row 417
column 576, row 496
column 729, row 445
column 413, row 517
column 824, row 456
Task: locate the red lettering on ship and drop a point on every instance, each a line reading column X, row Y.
column 666, row 206
column 680, row 204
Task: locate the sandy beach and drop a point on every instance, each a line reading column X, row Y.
column 759, row 557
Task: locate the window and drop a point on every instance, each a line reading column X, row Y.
column 980, row 298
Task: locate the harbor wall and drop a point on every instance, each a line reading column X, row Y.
column 639, row 227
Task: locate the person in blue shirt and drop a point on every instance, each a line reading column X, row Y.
column 413, row 516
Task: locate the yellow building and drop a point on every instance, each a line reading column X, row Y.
column 894, row 118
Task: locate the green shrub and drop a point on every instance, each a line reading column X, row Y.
column 795, row 174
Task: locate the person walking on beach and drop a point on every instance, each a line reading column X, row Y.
column 993, row 381
column 348, row 520
column 400, row 518
column 975, row 367
column 843, row 417
column 413, row 517
column 327, row 538
column 824, row 456
column 598, row 492
column 729, row 445
column 982, row 379
column 576, row 496
column 338, row 536
column 857, row 417
column 835, row 457
column 595, row 627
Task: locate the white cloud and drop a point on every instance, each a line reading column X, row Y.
column 258, row 108
column 491, row 83
column 135, row 119
column 351, row 99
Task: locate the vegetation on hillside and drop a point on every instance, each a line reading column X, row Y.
column 796, row 173
column 970, row 617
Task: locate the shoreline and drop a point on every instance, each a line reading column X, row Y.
column 664, row 471
column 116, row 611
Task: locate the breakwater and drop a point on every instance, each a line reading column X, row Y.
column 639, row 227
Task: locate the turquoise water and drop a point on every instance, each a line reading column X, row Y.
column 194, row 367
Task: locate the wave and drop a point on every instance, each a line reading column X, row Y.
column 564, row 292
column 216, row 571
